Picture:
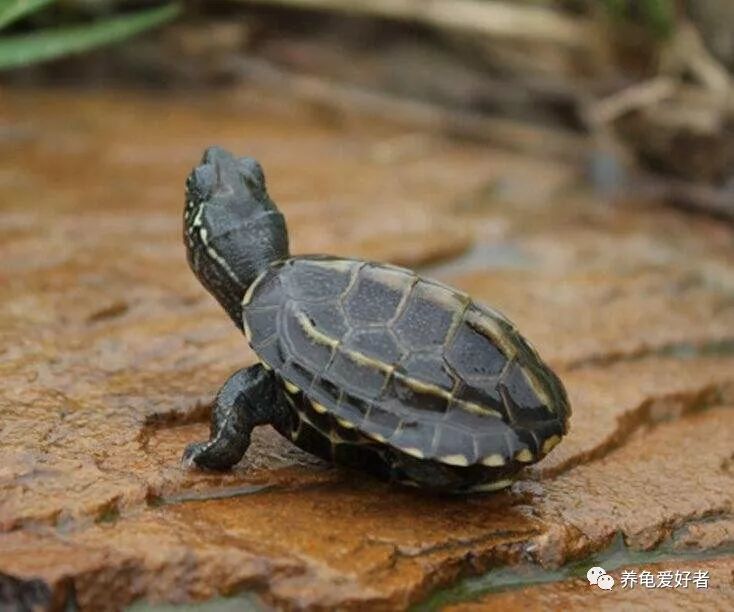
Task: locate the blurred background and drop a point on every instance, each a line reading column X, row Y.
column 637, row 92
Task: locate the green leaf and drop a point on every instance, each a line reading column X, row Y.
column 12, row 10
column 657, row 16
column 22, row 50
column 660, row 16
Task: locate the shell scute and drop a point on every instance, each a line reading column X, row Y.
column 354, row 408
column 486, row 395
column 427, row 317
column 413, row 434
column 453, row 441
column 265, row 320
column 376, row 342
column 427, row 367
column 327, row 318
column 375, row 295
column 297, row 374
column 382, row 421
column 475, row 355
column 523, row 403
column 311, row 353
column 269, row 288
column 412, row 392
column 316, row 279
column 356, row 376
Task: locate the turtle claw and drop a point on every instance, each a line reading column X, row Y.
column 192, row 453
column 218, row 454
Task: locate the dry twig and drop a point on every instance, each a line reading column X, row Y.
column 515, row 135
column 697, row 197
column 689, row 51
column 633, row 98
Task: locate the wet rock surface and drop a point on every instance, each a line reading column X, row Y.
column 110, row 353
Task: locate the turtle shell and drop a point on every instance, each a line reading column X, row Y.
column 405, row 361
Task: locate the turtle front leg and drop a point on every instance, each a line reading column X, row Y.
column 248, row 398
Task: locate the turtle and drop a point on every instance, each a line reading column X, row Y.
column 366, row 365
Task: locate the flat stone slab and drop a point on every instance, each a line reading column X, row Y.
column 111, row 352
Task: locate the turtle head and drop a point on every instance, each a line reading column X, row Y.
column 232, row 229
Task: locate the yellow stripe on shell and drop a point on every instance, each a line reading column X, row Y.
column 459, row 460
column 313, row 333
column 344, row 423
column 320, row 408
column 539, row 389
column 550, row 444
column 247, row 298
column 491, row 486
column 394, row 268
column 340, row 265
column 290, row 387
column 495, row 460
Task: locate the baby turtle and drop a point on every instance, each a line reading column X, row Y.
column 364, row 364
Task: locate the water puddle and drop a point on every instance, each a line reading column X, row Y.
column 245, row 602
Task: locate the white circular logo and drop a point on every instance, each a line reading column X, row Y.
column 593, row 574
column 605, row 582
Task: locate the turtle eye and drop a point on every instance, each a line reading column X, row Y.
column 248, row 181
column 252, row 172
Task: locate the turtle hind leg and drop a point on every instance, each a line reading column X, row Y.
column 246, row 400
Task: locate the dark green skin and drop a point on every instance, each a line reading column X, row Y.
column 366, row 365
